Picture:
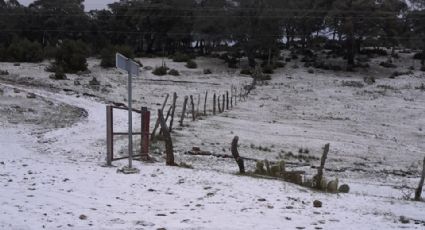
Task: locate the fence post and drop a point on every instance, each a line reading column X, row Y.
column 224, row 101
column 214, row 101
column 109, row 135
column 205, row 103
column 186, row 98
column 173, row 111
column 145, row 132
column 227, row 100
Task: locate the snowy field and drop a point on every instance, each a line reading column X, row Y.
column 52, row 148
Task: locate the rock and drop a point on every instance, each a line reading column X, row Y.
column 94, row 82
column 369, row 80
column 404, row 220
column 82, row 217
column 317, row 204
column 196, row 149
column 148, row 68
column 333, row 186
column 262, row 200
column 387, row 65
column 344, row 188
column 31, row 95
column 15, row 90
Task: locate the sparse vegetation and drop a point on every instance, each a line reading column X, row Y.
column 191, row 64
column 173, row 72
column 160, row 71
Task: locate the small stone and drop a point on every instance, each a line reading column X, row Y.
column 262, row 200
column 404, row 220
column 82, row 217
column 317, row 204
column 31, row 96
column 344, row 188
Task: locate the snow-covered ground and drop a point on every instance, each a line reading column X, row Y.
column 52, row 150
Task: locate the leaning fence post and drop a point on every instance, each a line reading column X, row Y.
column 173, row 111
column 418, row 192
column 109, row 135
column 193, row 108
column 319, row 176
column 219, row 104
column 184, row 110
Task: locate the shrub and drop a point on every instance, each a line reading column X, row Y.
column 246, row 72
column 70, row 57
column 191, row 64
column 369, row 52
column 4, row 72
column 160, row 71
column 279, row 64
column 268, row 69
column 387, row 65
column 58, row 75
column 181, row 57
column 24, row 50
column 310, row 71
column 107, row 55
column 418, row 56
column 207, row 71
column 49, row 52
column 174, row 72
column 232, row 63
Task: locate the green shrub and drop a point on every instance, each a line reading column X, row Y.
column 191, row 64
column 160, row 71
column 23, row 50
column 181, row 57
column 174, row 72
column 70, row 57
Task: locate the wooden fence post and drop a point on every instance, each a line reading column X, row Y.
column 227, row 100
column 214, row 101
column 168, row 141
column 157, row 121
column 224, row 100
column 235, row 154
column 418, row 192
column 193, row 108
column 145, row 133
column 186, row 98
column 219, row 104
column 205, row 103
column 199, row 102
column 173, row 111
column 109, row 135
column 319, row 177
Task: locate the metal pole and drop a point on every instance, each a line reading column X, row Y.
column 130, row 119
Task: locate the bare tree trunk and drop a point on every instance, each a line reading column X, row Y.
column 319, row 176
column 168, row 141
column 173, row 112
column 193, row 108
column 186, row 98
column 418, row 192
column 235, row 154
column 205, row 103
